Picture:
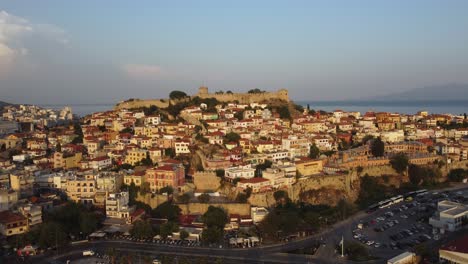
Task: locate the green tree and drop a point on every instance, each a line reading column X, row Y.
column 58, row 147
column 204, row 198
column 232, row 137
column 52, row 235
column 256, row 90
column 184, row 198
column 377, row 147
column 142, row 229
column 145, row 188
column 166, row 189
column 212, row 235
column 128, row 130
column 215, row 217
column 220, row 173
column 167, row 210
column 457, row 175
column 167, row 229
column 184, row 234
column 284, row 113
column 356, row 251
column 241, row 198
column 177, row 95
column 370, row 192
column 280, row 195
column 366, row 138
column 261, row 167
column 88, row 222
column 399, row 162
column 169, row 152
column 314, row 152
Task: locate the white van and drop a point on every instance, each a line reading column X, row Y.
column 88, row 253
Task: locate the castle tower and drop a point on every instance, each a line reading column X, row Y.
column 283, row 94
column 203, row 90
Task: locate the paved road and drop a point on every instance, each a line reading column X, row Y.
column 264, row 254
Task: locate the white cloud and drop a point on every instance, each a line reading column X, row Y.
column 16, row 34
column 144, row 71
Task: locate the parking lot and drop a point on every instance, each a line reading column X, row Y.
column 403, row 225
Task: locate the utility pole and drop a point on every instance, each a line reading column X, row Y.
column 342, row 246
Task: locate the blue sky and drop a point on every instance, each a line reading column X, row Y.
column 105, row 51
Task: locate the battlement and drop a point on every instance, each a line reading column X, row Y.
column 244, row 98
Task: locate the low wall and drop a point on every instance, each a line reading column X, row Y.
column 201, row 208
column 195, row 208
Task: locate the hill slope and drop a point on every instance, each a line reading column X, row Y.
column 447, row 92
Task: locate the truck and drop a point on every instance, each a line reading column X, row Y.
column 88, row 253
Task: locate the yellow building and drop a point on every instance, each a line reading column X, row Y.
column 307, row 166
column 134, row 156
column 67, row 160
column 12, row 223
column 138, row 177
column 82, row 189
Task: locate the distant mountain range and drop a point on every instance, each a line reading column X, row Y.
column 3, row 104
column 448, row 92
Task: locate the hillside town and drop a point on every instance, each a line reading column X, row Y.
column 214, row 170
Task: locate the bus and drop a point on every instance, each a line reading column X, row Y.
column 397, row 199
column 385, row 203
column 372, row 208
column 421, row 192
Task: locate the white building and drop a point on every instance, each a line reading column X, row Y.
column 117, row 206
column 455, row 251
column 153, row 120
column 277, row 177
column 449, row 216
column 258, row 214
column 182, row 147
column 403, row 258
column 8, row 198
column 243, row 172
column 32, row 212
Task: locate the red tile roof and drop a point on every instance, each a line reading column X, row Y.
column 459, row 245
column 9, row 216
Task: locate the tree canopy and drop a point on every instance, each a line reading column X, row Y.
column 204, row 198
column 314, row 152
column 377, row 147
column 167, row 210
column 215, row 217
column 399, row 162
column 177, row 95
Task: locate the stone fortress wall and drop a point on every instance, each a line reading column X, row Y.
column 138, row 103
column 244, row 98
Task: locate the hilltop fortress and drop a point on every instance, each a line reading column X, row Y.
column 243, row 98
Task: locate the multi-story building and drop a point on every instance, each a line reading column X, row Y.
column 109, row 182
column 12, row 223
column 182, row 147
column 455, row 252
column 117, row 206
column 8, row 198
column 307, row 166
column 278, row 178
column 82, row 189
column 138, row 177
column 449, row 216
column 66, row 160
column 166, row 175
column 242, row 172
column 257, row 184
column 135, row 155
column 32, row 212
